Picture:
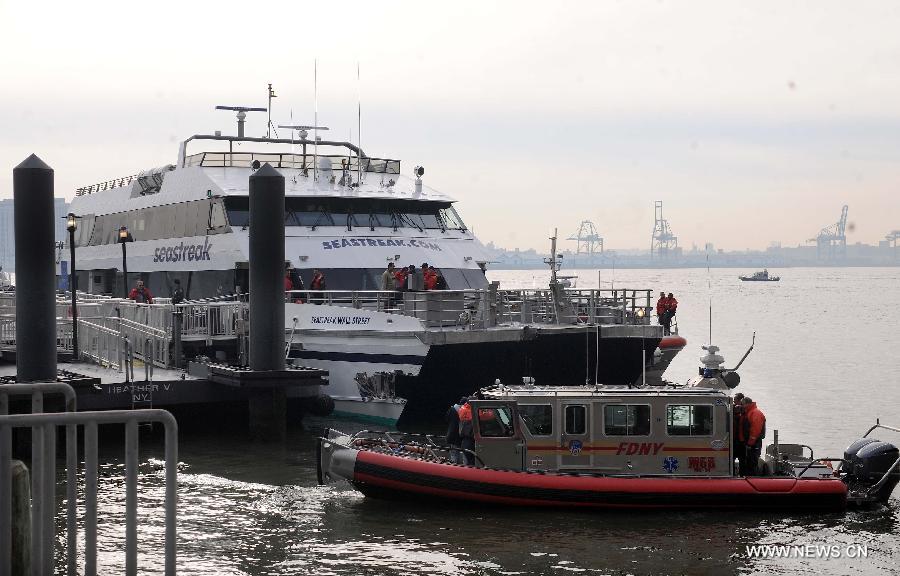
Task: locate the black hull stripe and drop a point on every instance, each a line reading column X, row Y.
column 358, row 357
column 590, row 497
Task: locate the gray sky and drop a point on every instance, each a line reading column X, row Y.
column 752, row 121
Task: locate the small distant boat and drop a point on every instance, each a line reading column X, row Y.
column 760, row 277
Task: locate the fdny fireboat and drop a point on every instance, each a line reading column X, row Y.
column 662, row 446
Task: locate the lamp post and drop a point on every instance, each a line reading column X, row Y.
column 71, row 226
column 124, row 238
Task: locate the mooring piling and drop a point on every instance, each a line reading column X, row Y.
column 35, row 271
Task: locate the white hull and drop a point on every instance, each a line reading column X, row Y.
column 377, row 411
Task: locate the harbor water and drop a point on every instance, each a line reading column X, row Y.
column 824, row 368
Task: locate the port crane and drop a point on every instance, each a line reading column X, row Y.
column 831, row 242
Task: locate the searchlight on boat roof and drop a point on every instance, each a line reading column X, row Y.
column 241, row 115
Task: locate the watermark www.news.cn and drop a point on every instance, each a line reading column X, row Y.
column 808, row 551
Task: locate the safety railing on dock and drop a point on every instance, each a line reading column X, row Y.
column 43, row 479
column 43, row 538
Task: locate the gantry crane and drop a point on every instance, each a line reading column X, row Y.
column 831, row 242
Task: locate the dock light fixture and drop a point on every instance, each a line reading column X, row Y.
column 124, row 238
column 72, row 226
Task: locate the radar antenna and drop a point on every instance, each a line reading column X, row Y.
column 241, row 115
column 302, row 131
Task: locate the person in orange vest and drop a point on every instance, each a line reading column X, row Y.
column 400, row 279
column 430, row 276
column 671, row 308
column 466, row 434
column 661, row 308
column 754, row 428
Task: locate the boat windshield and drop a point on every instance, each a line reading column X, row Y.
column 356, row 212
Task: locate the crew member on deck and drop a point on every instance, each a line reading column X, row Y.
column 317, row 283
column 671, row 309
column 466, row 433
column 140, row 294
column 754, row 427
column 661, row 308
column 453, row 438
column 177, row 292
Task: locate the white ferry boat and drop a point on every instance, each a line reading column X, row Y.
column 348, row 215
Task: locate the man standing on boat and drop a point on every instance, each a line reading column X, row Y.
column 317, row 283
column 140, row 294
column 754, row 428
column 453, row 438
column 466, row 433
column 661, row 309
column 388, row 282
column 671, row 309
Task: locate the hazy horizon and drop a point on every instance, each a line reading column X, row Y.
column 752, row 122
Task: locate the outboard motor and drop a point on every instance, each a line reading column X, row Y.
column 867, row 461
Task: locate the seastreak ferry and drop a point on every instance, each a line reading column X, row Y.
column 348, row 215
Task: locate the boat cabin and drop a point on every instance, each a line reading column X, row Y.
column 609, row 430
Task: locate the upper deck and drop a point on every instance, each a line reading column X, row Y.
column 223, row 165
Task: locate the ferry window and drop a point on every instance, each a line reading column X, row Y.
column 495, row 422
column 216, row 216
column 689, row 420
column 238, row 209
column 452, row 219
column 538, row 418
column 165, row 222
column 576, row 419
column 626, row 420
column 180, row 221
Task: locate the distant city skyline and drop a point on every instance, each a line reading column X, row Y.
column 753, row 122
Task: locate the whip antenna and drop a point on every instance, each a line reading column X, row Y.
column 709, row 293
column 358, row 127
column 316, row 120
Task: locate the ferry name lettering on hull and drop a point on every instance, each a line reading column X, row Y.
column 361, row 242
column 183, row 253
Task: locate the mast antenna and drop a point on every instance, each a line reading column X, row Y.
column 358, row 127
column 269, row 127
column 241, row 115
column 315, row 120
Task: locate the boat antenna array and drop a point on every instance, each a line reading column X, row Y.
column 241, row 115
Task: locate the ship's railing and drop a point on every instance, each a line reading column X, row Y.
column 292, row 160
column 488, row 307
column 108, row 185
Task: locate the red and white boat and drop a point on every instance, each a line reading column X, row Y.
column 609, row 447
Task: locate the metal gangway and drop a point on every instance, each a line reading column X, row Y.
column 113, row 332
column 44, row 426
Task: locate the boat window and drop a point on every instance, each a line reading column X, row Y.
column 217, row 216
column 495, row 422
column 452, row 219
column 689, row 420
column 538, row 418
column 238, row 209
column 626, row 420
column 576, row 419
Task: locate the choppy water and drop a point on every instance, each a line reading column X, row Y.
column 823, row 369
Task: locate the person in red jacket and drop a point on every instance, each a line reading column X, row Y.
column 754, row 431
column 140, row 294
column 661, row 308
